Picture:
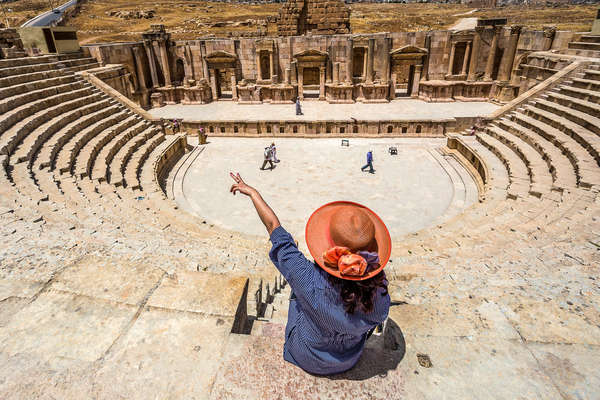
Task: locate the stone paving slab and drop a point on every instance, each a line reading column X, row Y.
column 572, row 367
column 446, row 318
column 200, row 292
column 459, row 368
column 547, row 321
column 165, row 355
column 60, row 324
column 398, row 110
column 103, row 278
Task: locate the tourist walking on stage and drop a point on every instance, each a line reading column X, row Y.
column 274, row 153
column 369, row 162
column 339, row 298
column 298, row 107
column 268, row 159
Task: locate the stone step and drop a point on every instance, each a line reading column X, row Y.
column 520, row 183
column 584, row 46
column 29, row 92
column 583, row 136
column 118, row 165
column 13, row 136
column 19, row 114
column 79, row 147
column 139, row 173
column 25, row 78
column 559, row 165
column 44, row 59
column 16, row 90
column 32, row 143
column 89, row 152
column 50, row 149
column 590, row 39
column 583, row 162
column 584, row 84
column 33, row 68
column 584, row 94
column 591, row 74
column 69, row 150
column 586, row 119
column 541, row 179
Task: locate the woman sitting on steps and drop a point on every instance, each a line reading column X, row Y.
column 338, row 299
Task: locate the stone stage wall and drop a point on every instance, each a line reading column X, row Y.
column 480, row 64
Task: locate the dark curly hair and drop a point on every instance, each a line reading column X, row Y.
column 359, row 294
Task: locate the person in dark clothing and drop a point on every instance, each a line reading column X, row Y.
column 339, row 298
column 369, row 162
column 298, row 107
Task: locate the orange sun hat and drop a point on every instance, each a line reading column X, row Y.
column 343, row 238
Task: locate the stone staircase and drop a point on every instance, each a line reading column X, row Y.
column 587, row 46
column 108, row 290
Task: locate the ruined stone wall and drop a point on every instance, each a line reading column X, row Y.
column 323, row 17
column 434, row 65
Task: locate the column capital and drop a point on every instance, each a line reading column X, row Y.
column 549, row 31
column 515, row 29
column 497, row 29
column 479, row 30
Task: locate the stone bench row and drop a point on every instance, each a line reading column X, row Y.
column 44, row 111
column 58, row 65
column 88, row 153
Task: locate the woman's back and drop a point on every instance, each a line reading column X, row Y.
column 321, row 337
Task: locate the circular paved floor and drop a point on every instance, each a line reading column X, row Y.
column 409, row 191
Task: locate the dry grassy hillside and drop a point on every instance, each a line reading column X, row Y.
column 99, row 20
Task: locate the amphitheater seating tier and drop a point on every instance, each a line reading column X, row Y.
column 80, row 185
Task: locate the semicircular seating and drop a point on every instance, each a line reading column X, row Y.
column 89, row 230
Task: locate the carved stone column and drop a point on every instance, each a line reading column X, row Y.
column 463, row 70
column 165, row 62
column 349, row 47
column 234, row 94
column 150, row 54
column 322, row 83
column 336, row 73
column 508, row 58
column 489, row 66
column 549, row 33
column 294, row 72
column 301, row 83
column 451, row 59
column 370, row 56
column 213, row 84
column 286, row 76
column 386, row 64
column 258, row 67
column 475, row 54
column 414, row 92
column 205, row 71
column 272, row 72
column 139, row 66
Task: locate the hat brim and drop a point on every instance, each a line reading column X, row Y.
column 318, row 238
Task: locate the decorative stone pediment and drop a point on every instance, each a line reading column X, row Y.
column 221, row 57
column 409, row 49
column 265, row 45
column 408, row 53
column 311, row 56
column 360, row 41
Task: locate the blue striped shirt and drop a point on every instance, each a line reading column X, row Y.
column 320, row 337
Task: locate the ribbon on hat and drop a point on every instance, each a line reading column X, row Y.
column 349, row 263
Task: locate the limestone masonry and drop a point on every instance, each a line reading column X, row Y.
column 123, row 274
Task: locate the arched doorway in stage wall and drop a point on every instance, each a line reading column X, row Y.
column 406, row 67
column 222, row 73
